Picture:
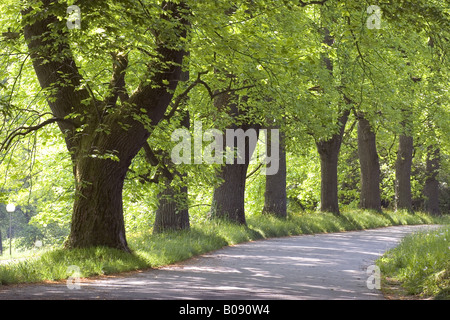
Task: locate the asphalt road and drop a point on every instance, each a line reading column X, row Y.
column 324, row 266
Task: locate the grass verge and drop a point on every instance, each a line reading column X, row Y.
column 419, row 266
column 151, row 251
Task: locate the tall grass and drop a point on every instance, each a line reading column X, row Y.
column 150, row 251
column 421, row 263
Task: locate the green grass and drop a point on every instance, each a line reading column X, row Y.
column 53, row 265
column 420, row 264
column 151, row 251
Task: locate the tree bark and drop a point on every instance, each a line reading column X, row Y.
column 229, row 197
column 403, row 198
column 370, row 197
column 329, row 156
column 275, row 198
column 431, row 188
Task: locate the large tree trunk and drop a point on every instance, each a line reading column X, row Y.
column 228, row 199
column 403, row 198
column 431, row 189
column 275, row 198
column 370, row 197
column 97, row 218
column 329, row 156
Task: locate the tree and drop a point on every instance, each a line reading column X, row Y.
column 329, row 147
column 114, row 85
column 173, row 211
column 275, row 197
column 421, row 95
column 431, row 188
column 329, row 155
column 102, row 136
column 403, row 197
column 370, row 166
column 329, row 150
column 229, row 196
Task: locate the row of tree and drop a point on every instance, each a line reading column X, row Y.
column 137, row 70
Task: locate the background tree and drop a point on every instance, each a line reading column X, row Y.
column 173, row 206
column 370, row 166
column 403, row 196
column 275, row 197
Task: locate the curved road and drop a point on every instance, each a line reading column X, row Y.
column 323, row 266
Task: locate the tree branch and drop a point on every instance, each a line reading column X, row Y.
column 145, row 178
column 231, row 91
column 149, row 155
column 184, row 94
column 304, row 4
column 117, row 84
column 156, row 94
column 23, row 131
column 154, row 161
column 254, row 171
column 54, row 65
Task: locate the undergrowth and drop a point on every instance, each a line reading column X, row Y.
column 420, row 264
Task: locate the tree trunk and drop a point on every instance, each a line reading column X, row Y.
column 228, row 199
column 172, row 212
column 329, row 156
column 431, row 189
column 97, row 218
column 403, row 198
column 370, row 197
column 275, row 199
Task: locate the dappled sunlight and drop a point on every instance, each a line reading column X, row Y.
column 194, row 269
